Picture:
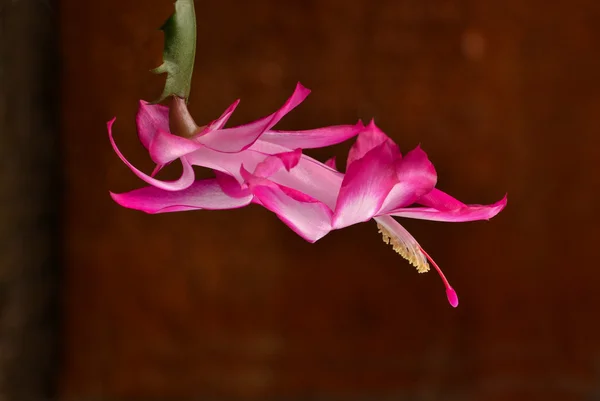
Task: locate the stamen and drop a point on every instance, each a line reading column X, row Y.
column 404, row 244
column 404, row 249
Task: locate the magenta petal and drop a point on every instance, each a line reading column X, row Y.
column 308, row 217
column 465, row 213
column 235, row 139
column 150, row 119
column 166, row 147
column 366, row 184
column 231, row 186
column 331, row 163
column 315, row 138
column 368, row 139
column 202, row 194
column 440, row 200
column 186, row 179
column 416, row 177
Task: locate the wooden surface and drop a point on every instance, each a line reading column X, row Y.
column 504, row 96
column 29, row 200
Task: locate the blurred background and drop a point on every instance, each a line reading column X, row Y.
column 99, row 302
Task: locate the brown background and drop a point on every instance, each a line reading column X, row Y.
column 504, row 96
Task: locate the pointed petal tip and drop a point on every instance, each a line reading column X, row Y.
column 452, row 297
column 498, row 206
column 300, row 87
column 116, row 197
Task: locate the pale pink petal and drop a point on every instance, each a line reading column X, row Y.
column 309, row 175
column 228, row 163
column 465, row 213
column 416, row 177
column 331, row 163
column 166, row 147
column 368, row 139
column 202, row 194
column 221, row 121
column 186, row 179
column 366, row 184
column 150, row 119
column 272, row 164
column 308, row 217
column 315, row 138
column 235, row 139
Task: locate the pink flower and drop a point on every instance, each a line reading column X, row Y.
column 312, row 198
column 171, row 133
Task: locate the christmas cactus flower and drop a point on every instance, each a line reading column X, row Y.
column 313, row 198
column 255, row 164
column 170, row 133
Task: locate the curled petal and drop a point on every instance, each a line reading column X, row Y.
column 150, row 119
column 308, row 217
column 166, row 147
column 315, row 138
column 368, row 139
column 416, row 177
column 202, row 194
column 465, row 213
column 236, row 139
column 366, row 184
column 186, row 179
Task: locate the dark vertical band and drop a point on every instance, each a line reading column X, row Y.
column 29, row 199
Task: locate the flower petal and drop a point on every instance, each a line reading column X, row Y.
column 465, row 213
column 440, row 200
column 231, row 186
column 309, row 175
column 331, row 163
column 186, row 179
column 315, row 138
column 308, row 217
column 235, row 139
column 367, row 140
column 166, row 147
column 150, row 119
column 416, row 177
column 221, row 121
column 228, row 163
column 366, row 184
column 202, row 194
column 276, row 162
